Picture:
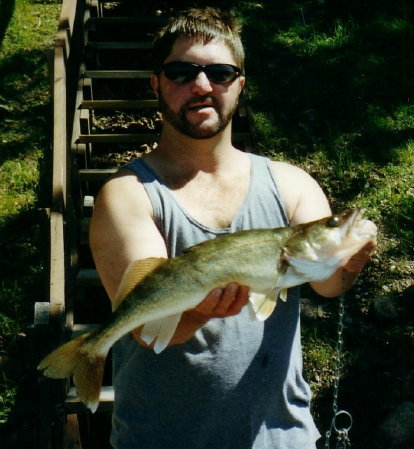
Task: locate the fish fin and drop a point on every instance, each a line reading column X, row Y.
column 283, row 294
column 87, row 369
column 262, row 304
column 134, row 274
column 161, row 331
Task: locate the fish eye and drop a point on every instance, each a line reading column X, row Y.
column 333, row 222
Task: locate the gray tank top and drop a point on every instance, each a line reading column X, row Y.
column 237, row 384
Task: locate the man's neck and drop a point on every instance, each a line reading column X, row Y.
column 181, row 157
column 209, row 178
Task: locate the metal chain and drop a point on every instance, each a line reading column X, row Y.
column 343, row 441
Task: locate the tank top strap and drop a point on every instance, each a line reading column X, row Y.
column 151, row 182
column 263, row 206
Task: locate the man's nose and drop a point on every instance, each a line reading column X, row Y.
column 201, row 84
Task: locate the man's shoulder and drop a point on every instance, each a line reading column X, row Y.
column 123, row 190
column 296, row 187
column 122, row 181
column 286, row 168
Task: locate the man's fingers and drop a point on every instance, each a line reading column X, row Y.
column 357, row 262
column 208, row 305
column 227, row 299
column 223, row 302
column 241, row 299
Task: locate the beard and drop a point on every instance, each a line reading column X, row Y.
column 180, row 122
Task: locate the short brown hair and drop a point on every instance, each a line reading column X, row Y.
column 203, row 25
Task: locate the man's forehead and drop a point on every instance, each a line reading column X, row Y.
column 185, row 48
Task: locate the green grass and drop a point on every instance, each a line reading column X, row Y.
column 8, row 390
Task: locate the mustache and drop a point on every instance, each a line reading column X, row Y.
column 197, row 100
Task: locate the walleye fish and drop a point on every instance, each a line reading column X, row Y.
column 155, row 292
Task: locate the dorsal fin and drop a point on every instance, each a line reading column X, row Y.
column 134, row 274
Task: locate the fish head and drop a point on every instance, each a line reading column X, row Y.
column 317, row 249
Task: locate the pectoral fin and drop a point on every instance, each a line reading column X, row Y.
column 134, row 274
column 161, row 331
column 261, row 305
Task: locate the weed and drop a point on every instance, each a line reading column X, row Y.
column 8, row 391
column 319, row 363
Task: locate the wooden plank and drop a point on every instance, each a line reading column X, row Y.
column 84, row 231
column 41, row 313
column 57, row 267
column 118, row 104
column 151, row 21
column 106, row 400
column 88, row 277
column 117, row 138
column 57, row 247
column 59, row 129
column 82, row 328
column 72, row 433
column 120, row 45
column 97, row 174
column 66, row 26
column 118, row 74
column 240, row 137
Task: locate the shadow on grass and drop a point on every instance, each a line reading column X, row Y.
column 6, row 13
column 340, row 70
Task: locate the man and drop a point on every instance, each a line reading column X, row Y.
column 225, row 381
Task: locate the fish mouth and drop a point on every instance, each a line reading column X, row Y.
column 349, row 220
column 355, row 226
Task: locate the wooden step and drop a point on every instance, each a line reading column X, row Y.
column 74, row 405
column 96, row 174
column 79, row 329
column 84, row 231
column 119, row 45
column 118, row 74
column 119, row 104
column 88, row 277
column 117, row 138
column 151, row 21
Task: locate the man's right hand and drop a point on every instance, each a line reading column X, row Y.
column 219, row 303
column 222, row 302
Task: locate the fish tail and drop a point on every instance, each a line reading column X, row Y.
column 73, row 358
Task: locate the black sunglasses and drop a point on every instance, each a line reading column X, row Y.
column 182, row 72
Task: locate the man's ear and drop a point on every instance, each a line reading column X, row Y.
column 242, row 82
column 154, row 84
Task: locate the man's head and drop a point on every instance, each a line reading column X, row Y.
column 203, row 26
column 198, row 79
